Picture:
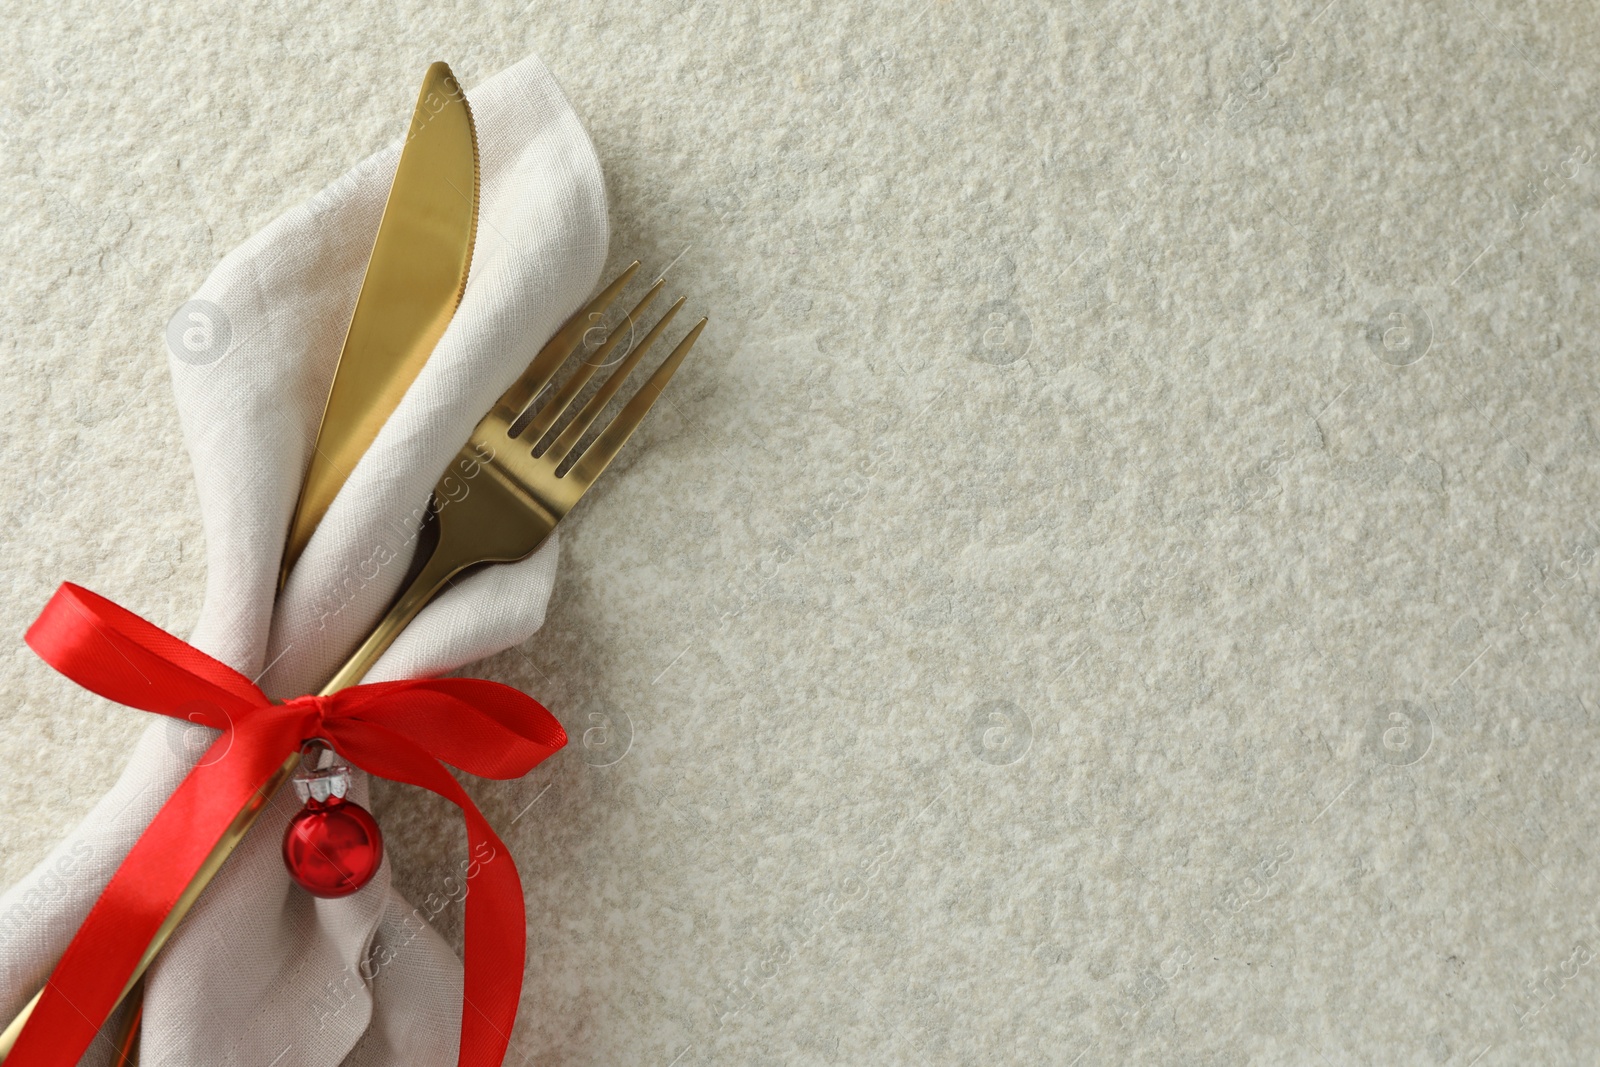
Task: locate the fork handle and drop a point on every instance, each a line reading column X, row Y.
column 439, row 569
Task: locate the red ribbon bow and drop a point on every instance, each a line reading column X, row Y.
column 400, row 730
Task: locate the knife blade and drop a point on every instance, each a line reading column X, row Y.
column 415, row 278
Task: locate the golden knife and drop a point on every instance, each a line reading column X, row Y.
column 415, row 277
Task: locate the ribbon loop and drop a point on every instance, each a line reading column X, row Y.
column 399, row 730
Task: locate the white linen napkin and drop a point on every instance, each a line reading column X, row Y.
column 260, row 972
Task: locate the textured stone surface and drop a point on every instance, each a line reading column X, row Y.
column 1117, row 580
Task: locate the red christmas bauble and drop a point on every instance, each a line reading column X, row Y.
column 332, row 847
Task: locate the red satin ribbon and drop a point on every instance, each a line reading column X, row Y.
column 400, row 730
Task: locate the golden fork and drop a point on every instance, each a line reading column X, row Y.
column 518, row 493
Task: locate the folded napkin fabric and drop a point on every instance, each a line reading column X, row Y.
column 260, row 972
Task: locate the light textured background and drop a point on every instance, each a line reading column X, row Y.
column 1117, row 580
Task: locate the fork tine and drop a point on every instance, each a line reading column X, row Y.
column 552, row 412
column 575, row 429
column 597, row 456
column 513, row 403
